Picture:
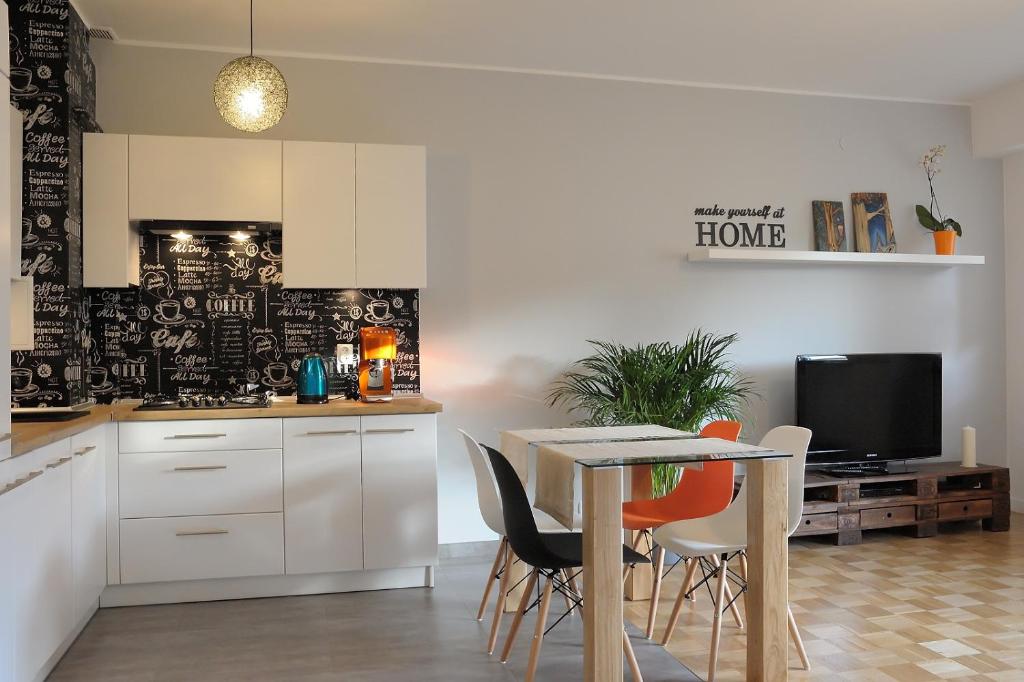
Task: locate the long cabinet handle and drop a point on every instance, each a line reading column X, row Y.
column 207, row 531
column 60, row 462
column 202, row 467
column 83, row 451
column 339, row 432
column 389, row 430
column 185, row 436
column 21, row 481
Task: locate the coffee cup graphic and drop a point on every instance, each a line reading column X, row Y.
column 21, row 78
column 21, row 379
column 276, row 372
column 97, row 376
column 379, row 309
column 168, row 309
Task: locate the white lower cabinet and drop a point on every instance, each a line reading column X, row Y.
column 201, row 547
column 399, row 490
column 323, row 496
column 155, row 484
column 44, row 608
column 88, row 519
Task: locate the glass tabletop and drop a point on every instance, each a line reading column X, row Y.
column 681, row 458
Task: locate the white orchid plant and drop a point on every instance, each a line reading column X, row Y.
column 931, row 217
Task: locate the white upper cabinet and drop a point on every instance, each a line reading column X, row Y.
column 204, row 178
column 110, row 247
column 319, row 226
column 391, row 233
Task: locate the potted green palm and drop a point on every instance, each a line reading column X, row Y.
column 678, row 386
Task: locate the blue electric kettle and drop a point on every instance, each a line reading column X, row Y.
column 312, row 381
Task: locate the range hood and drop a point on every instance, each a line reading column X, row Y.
column 222, row 228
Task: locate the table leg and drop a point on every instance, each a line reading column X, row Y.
column 768, row 570
column 602, row 575
column 638, row 583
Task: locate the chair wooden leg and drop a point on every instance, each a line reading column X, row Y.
column 688, row 582
column 573, row 585
column 729, row 600
column 498, row 559
column 524, row 603
column 652, row 608
column 565, row 581
column 674, row 618
column 635, row 547
column 500, row 609
column 798, row 641
column 538, row 633
column 627, row 648
column 716, row 626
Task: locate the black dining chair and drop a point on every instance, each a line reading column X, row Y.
column 551, row 556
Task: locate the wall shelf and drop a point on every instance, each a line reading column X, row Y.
column 765, row 255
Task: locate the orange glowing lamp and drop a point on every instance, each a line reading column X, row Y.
column 378, row 348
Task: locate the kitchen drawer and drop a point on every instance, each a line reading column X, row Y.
column 817, row 523
column 888, row 516
column 201, row 547
column 200, row 434
column 968, row 509
column 194, row 483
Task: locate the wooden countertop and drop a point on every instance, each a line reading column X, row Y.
column 28, row 436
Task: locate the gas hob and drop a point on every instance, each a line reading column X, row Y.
column 203, row 401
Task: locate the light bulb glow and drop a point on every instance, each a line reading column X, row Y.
column 181, row 235
column 239, row 236
column 250, row 94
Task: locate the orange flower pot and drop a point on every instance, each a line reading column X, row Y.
column 945, row 242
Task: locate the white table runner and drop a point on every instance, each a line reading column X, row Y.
column 556, row 464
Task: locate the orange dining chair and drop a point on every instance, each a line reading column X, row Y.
column 701, row 492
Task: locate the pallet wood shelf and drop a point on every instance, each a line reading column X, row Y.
column 721, row 254
column 932, row 493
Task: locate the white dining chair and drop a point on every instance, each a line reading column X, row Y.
column 490, row 509
column 713, row 541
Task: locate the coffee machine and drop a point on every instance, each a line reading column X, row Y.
column 378, row 349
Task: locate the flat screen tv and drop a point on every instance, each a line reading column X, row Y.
column 865, row 410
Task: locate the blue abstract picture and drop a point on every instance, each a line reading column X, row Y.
column 872, row 223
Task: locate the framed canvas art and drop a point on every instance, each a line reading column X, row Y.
column 872, row 223
column 829, row 225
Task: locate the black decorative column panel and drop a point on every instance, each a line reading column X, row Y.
column 53, row 83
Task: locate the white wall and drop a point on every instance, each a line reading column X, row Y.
column 996, row 121
column 560, row 210
column 1013, row 178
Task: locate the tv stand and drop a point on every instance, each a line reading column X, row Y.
column 935, row 492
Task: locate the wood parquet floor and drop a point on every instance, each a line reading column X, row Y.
column 894, row 608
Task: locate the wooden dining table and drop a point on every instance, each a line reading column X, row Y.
column 602, row 456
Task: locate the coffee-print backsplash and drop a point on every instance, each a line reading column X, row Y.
column 53, row 84
column 210, row 315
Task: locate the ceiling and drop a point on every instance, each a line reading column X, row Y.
column 933, row 50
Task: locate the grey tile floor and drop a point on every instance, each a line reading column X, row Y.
column 414, row 635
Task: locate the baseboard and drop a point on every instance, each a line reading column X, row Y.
column 265, row 586
column 469, row 550
column 52, row 662
column 1017, row 505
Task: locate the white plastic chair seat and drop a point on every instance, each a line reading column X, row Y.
column 697, row 538
column 547, row 524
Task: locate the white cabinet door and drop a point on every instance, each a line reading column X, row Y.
column 391, row 215
column 88, row 519
column 323, row 502
column 6, row 264
column 319, row 225
column 17, row 128
column 204, row 178
column 399, row 490
column 110, row 246
column 45, row 599
column 10, row 573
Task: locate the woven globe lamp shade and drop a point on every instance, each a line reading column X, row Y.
column 250, row 94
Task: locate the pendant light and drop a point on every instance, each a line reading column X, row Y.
column 250, row 92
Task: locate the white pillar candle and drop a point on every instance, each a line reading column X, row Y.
column 969, row 447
